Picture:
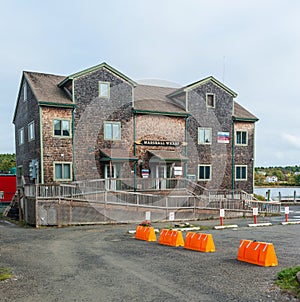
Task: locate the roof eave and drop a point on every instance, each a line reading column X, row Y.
column 94, row 68
column 210, row 78
column 18, row 97
column 179, row 114
column 61, row 105
column 245, row 119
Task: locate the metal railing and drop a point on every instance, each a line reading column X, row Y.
column 157, row 192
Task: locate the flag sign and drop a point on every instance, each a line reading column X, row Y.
column 223, row 137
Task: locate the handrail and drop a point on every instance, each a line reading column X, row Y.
column 196, row 196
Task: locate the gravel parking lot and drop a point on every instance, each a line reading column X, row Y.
column 105, row 263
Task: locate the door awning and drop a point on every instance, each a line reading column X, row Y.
column 116, row 155
column 168, row 156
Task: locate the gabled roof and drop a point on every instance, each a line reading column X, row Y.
column 201, row 82
column 94, row 68
column 153, row 99
column 45, row 89
column 242, row 114
column 44, row 86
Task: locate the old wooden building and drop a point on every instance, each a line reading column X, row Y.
column 100, row 124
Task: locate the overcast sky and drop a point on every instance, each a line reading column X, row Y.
column 252, row 46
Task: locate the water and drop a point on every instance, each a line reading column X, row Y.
column 285, row 191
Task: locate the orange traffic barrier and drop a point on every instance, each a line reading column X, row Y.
column 259, row 253
column 199, row 242
column 145, row 233
column 171, row 237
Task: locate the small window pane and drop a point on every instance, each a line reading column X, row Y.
column 238, row 138
column 31, row 131
column 116, row 131
column 243, row 172
column 207, row 172
column 104, row 90
column 67, row 172
column 210, row 100
column 108, row 131
column 244, row 137
column 201, row 172
column 58, row 171
column 57, row 127
column 21, row 136
column 25, row 92
column 66, row 128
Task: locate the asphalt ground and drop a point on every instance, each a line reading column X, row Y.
column 106, row 263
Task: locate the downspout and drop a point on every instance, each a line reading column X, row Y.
column 73, row 144
column 186, row 146
column 186, row 134
column 253, row 161
column 134, row 148
column 232, row 156
column 73, row 131
column 41, row 146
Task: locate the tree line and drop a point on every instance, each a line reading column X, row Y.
column 7, row 163
column 286, row 176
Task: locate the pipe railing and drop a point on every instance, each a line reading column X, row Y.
column 184, row 194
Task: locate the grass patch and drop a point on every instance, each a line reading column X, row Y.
column 286, row 280
column 5, row 273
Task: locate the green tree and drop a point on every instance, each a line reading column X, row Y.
column 7, row 161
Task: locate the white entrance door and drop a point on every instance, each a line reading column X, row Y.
column 110, row 177
column 161, row 175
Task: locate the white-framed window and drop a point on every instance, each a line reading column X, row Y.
column 61, row 127
column 241, row 172
column 241, row 138
column 21, row 136
column 104, row 89
column 25, row 91
column 210, row 100
column 204, row 172
column 112, row 131
column 62, row 171
column 31, row 133
column 204, row 135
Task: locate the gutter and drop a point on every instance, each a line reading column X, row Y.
column 137, row 111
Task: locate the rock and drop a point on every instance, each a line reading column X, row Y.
column 298, row 277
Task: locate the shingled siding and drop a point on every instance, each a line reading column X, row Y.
column 219, row 119
column 124, row 116
column 91, row 113
column 55, row 149
column 160, row 128
column 27, row 112
column 244, row 155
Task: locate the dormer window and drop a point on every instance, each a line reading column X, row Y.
column 104, row 89
column 210, row 100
